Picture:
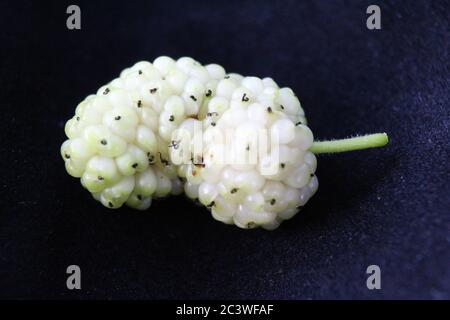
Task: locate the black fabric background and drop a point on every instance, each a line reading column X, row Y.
column 387, row 206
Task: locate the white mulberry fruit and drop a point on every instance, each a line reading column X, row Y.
column 239, row 145
column 119, row 137
column 244, row 191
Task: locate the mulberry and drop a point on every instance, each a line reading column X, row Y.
column 239, row 145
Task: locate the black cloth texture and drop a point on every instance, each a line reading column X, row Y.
column 387, row 207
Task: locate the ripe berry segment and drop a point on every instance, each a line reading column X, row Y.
column 126, row 141
column 247, row 193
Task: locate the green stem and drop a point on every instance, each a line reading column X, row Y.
column 343, row 145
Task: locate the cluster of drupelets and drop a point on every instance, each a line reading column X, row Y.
column 123, row 142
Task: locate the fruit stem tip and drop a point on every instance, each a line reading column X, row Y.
column 357, row 143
